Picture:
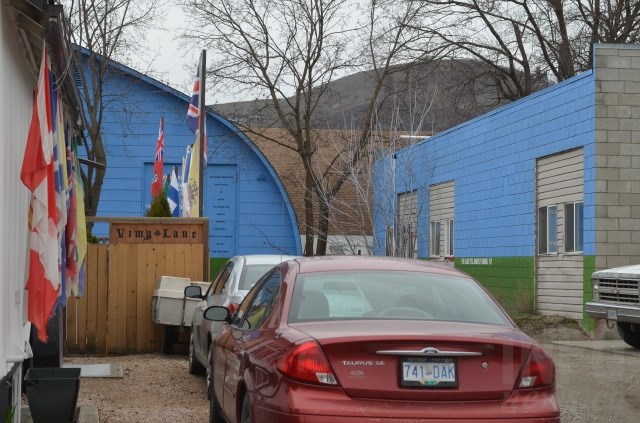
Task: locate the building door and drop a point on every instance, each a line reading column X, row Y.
column 559, row 228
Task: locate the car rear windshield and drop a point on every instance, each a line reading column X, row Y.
column 392, row 295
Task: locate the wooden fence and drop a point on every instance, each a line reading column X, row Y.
column 114, row 314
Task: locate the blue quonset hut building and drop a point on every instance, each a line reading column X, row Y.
column 533, row 197
column 248, row 208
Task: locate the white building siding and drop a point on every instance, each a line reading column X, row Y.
column 16, row 94
column 560, row 180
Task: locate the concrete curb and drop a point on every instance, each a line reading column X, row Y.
column 612, row 346
column 87, row 413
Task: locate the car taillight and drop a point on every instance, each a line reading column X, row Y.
column 232, row 307
column 539, row 370
column 307, row 363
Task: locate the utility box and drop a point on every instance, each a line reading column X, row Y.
column 170, row 306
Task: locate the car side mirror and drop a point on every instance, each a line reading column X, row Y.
column 217, row 314
column 193, row 291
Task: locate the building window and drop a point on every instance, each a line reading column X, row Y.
column 573, row 227
column 435, row 239
column 441, row 213
column 407, row 221
column 548, row 230
column 448, row 239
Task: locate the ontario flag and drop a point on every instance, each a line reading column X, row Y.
column 38, row 175
column 156, row 184
column 173, row 193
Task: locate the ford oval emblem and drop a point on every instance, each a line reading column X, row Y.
column 357, row 372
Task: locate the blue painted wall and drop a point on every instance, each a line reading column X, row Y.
column 248, row 209
column 492, row 160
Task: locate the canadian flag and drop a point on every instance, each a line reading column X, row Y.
column 37, row 174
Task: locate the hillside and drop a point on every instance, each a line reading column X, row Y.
column 444, row 93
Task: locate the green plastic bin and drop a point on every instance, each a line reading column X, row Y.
column 52, row 393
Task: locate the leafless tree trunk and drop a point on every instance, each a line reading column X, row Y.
column 106, row 29
column 309, row 214
column 289, row 51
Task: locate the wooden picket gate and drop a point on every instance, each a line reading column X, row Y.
column 114, row 314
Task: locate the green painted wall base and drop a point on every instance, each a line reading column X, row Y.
column 511, row 280
column 588, row 267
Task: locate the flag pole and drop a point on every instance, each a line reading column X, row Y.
column 201, row 130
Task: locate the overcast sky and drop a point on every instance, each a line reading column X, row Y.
column 167, row 62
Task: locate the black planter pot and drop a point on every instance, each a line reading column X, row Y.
column 52, row 393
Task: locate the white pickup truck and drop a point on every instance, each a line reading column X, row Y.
column 616, row 298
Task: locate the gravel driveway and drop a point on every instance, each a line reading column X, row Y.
column 156, row 388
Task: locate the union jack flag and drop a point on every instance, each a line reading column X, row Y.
column 193, row 113
column 160, row 152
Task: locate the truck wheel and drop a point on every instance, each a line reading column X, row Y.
column 630, row 333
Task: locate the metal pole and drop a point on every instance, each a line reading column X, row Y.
column 201, row 130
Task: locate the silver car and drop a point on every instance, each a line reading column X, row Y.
column 228, row 289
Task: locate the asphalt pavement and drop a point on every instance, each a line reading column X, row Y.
column 597, row 381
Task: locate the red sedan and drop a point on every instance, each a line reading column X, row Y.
column 373, row 339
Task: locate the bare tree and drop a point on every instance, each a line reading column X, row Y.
column 289, row 51
column 102, row 30
column 525, row 40
column 607, row 21
column 373, row 182
column 517, row 39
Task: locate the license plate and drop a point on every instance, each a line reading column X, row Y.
column 612, row 314
column 429, row 373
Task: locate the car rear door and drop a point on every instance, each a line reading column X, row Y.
column 247, row 335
